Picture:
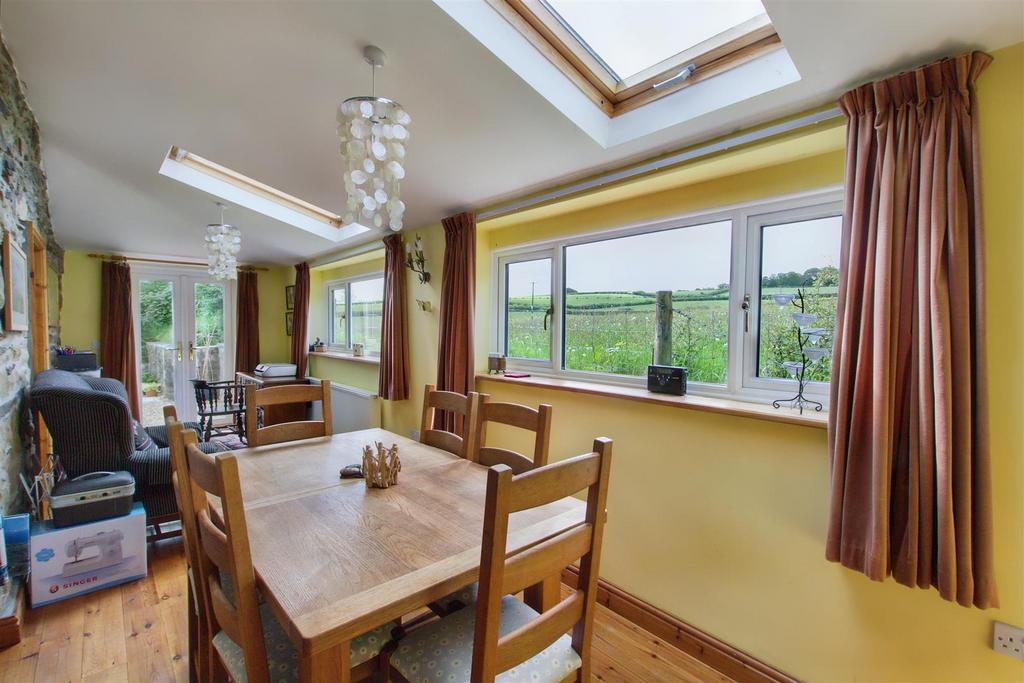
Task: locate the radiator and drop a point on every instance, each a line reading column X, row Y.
column 351, row 408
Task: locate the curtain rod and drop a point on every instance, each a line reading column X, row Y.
column 198, row 264
column 662, row 163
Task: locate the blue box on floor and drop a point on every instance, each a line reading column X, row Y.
column 72, row 560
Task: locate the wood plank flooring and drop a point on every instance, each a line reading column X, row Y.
column 137, row 632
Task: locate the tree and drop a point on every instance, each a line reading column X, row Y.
column 827, row 276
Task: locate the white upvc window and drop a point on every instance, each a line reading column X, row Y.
column 582, row 307
column 354, row 310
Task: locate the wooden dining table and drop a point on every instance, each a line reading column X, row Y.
column 334, row 559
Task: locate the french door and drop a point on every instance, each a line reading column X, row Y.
column 184, row 330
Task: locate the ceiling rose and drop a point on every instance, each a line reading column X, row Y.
column 373, row 132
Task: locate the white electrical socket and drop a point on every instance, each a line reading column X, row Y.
column 415, row 434
column 1008, row 640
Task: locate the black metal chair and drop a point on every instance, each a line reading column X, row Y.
column 216, row 401
column 93, row 431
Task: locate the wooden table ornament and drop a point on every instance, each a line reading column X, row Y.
column 381, row 470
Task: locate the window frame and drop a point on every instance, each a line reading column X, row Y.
column 346, row 284
column 565, row 50
column 744, row 267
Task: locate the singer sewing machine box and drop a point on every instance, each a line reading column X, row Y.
column 73, row 560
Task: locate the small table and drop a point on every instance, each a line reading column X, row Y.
column 334, row 559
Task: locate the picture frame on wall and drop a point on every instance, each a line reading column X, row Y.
column 288, row 323
column 289, row 298
column 15, row 285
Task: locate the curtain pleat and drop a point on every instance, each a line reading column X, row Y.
column 300, row 352
column 458, row 295
column 394, row 346
column 117, row 330
column 908, row 425
column 247, row 334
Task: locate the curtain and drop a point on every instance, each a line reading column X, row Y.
column 458, row 294
column 300, row 352
column 247, row 333
column 394, row 346
column 117, row 330
column 908, row 425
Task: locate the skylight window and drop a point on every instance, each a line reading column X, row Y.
column 623, row 54
column 628, row 37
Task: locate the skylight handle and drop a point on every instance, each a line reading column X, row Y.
column 678, row 78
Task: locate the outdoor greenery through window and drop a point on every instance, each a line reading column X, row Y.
column 586, row 308
column 355, row 308
column 610, row 292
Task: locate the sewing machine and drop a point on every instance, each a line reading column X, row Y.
column 108, row 547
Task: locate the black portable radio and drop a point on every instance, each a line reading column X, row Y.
column 666, row 379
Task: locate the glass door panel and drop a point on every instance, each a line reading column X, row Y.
column 159, row 346
column 207, row 349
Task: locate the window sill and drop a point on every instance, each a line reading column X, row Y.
column 337, row 355
column 707, row 404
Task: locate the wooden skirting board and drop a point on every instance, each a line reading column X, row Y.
column 12, row 611
column 724, row 658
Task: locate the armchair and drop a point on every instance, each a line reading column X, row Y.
column 93, row 430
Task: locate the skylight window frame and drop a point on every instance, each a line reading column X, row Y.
column 564, row 48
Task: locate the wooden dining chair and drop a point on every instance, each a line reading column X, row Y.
column 286, row 431
column 248, row 642
column 449, row 401
column 199, row 645
column 501, row 633
column 537, row 420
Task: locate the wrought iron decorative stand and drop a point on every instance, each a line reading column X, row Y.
column 798, row 370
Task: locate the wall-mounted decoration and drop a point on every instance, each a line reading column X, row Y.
column 415, row 261
column 15, row 286
column 289, row 298
column 288, row 323
column 425, row 306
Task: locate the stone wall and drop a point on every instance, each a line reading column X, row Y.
column 23, row 200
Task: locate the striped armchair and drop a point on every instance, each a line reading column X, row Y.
column 93, row 430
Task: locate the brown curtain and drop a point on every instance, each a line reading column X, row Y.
column 908, row 426
column 300, row 352
column 458, row 294
column 117, row 330
column 247, row 333
column 394, row 346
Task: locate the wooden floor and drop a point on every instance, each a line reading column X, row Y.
column 137, row 632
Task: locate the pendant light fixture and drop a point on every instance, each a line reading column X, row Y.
column 373, row 132
column 223, row 243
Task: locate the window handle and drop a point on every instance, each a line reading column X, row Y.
column 549, row 312
column 746, row 312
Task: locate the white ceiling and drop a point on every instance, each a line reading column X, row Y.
column 254, row 86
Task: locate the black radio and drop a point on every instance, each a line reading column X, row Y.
column 666, row 379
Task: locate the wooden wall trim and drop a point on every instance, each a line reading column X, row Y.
column 721, row 656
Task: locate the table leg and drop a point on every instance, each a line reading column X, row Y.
column 545, row 595
column 333, row 665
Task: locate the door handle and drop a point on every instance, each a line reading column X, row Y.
column 178, row 354
column 191, row 351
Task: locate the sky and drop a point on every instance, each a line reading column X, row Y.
column 683, row 258
column 631, row 36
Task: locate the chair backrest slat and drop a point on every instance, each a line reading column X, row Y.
column 463, row 406
column 520, row 645
column 281, row 395
column 501, row 573
column 537, row 420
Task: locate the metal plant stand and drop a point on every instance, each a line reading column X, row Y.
column 806, row 337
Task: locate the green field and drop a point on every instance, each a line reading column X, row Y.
column 614, row 331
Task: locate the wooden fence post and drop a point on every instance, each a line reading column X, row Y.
column 663, row 329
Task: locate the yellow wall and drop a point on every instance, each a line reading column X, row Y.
column 80, row 312
column 275, row 344
column 721, row 520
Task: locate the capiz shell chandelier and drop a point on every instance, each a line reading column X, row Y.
column 373, row 132
column 223, row 243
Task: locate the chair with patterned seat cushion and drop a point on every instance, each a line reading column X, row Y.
column 93, row 431
column 248, row 642
column 502, row 639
